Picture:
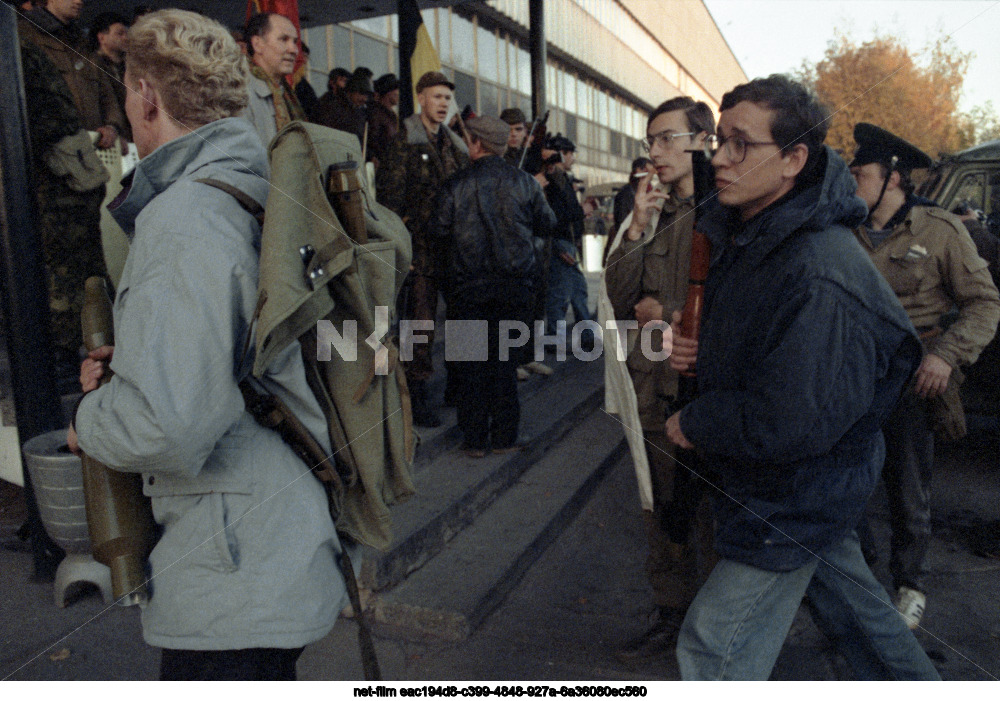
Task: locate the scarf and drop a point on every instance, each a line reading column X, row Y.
column 286, row 105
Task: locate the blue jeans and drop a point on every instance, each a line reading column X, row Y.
column 567, row 285
column 738, row 622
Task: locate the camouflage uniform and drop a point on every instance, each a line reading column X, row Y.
column 69, row 221
column 931, row 264
column 90, row 87
column 407, row 182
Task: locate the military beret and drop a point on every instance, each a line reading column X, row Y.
column 339, row 73
column 386, row 83
column 512, row 116
column 560, row 143
column 359, row 83
column 432, row 78
column 876, row 145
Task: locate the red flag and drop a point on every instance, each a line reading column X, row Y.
column 290, row 10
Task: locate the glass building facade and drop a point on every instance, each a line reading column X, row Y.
column 605, row 70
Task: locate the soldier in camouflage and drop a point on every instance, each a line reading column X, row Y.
column 423, row 155
column 69, row 221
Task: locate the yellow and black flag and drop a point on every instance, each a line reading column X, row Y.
column 417, row 54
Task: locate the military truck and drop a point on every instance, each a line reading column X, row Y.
column 972, row 176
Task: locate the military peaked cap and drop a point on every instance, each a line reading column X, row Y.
column 876, row 145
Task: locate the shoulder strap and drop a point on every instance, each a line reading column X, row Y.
column 248, row 203
column 270, row 412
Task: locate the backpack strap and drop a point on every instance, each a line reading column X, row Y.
column 247, row 202
column 270, row 412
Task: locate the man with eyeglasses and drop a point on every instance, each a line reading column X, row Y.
column 804, row 350
column 647, row 279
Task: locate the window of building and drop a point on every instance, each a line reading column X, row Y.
column 465, row 90
column 379, row 26
column 463, row 44
column 523, row 70
column 341, row 46
column 584, row 95
column 371, row 53
column 569, row 128
column 486, row 49
column 568, row 94
column 443, row 33
column 489, row 99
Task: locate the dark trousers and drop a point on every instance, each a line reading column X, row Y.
column 421, row 304
column 679, row 529
column 909, row 459
column 488, row 407
column 252, row 664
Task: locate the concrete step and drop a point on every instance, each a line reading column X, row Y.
column 453, row 489
column 436, row 441
column 454, row 592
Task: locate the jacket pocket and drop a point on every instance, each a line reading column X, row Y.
column 202, row 528
column 223, row 533
column 905, row 275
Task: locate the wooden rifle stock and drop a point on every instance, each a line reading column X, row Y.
column 119, row 516
column 691, row 315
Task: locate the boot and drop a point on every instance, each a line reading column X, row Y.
column 658, row 641
column 423, row 415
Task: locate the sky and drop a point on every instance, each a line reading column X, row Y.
column 800, row 29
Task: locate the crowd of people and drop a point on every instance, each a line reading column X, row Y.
column 822, row 361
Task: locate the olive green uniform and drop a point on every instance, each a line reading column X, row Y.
column 658, row 266
column 932, row 265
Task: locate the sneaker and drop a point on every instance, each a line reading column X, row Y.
column 539, row 368
column 658, row 641
column 910, row 603
column 523, row 373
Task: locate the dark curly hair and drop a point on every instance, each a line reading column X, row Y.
column 799, row 116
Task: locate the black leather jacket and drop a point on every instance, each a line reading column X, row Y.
column 486, row 218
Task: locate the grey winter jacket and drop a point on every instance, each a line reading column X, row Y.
column 247, row 555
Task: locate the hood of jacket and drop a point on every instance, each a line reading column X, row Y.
column 814, row 207
column 416, row 133
column 225, row 150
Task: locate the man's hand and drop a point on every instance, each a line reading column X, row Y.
column 108, row 136
column 932, row 376
column 92, row 369
column 72, row 442
column 674, row 433
column 647, row 310
column 685, row 351
column 646, row 202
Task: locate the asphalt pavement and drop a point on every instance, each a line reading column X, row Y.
column 585, row 595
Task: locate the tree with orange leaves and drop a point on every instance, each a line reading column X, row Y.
column 880, row 81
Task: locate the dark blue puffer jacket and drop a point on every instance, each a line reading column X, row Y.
column 804, row 350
